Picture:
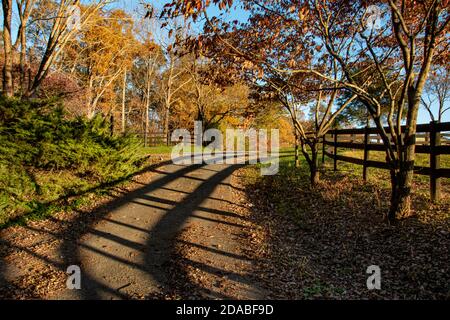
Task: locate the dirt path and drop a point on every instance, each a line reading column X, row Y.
column 172, row 236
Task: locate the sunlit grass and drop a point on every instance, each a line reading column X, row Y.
column 374, row 175
column 165, row 149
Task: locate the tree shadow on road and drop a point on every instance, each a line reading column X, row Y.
column 159, row 251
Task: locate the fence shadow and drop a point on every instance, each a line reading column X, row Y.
column 158, row 251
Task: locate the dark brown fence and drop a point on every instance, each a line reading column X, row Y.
column 430, row 139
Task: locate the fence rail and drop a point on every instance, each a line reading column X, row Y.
column 430, row 139
column 158, row 138
column 153, row 138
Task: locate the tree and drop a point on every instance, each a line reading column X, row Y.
column 397, row 51
column 294, row 93
column 144, row 76
column 437, row 91
column 8, row 89
column 60, row 33
column 100, row 55
column 24, row 10
column 261, row 37
column 213, row 102
column 408, row 41
column 45, row 22
column 174, row 79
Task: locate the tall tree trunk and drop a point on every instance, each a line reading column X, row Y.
column 124, row 85
column 146, row 127
column 147, row 102
column 24, row 8
column 8, row 88
column 23, row 48
column 166, row 123
column 42, row 72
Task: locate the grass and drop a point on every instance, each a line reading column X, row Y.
column 421, row 159
column 165, row 149
column 375, row 175
column 58, row 191
column 382, row 176
column 162, row 149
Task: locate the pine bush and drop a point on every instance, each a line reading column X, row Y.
column 39, row 143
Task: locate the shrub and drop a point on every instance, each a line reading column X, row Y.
column 38, row 142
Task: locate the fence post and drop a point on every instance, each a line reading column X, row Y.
column 366, row 152
column 335, row 150
column 435, row 183
column 323, row 148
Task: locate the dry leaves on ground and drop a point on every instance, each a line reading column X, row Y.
column 318, row 243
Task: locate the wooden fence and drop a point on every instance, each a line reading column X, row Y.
column 430, row 139
column 156, row 139
column 153, row 138
column 159, row 138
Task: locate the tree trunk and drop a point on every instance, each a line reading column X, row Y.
column 315, row 176
column 8, row 89
column 402, row 178
column 147, row 102
column 401, row 182
column 41, row 73
column 297, row 162
column 23, row 83
column 314, row 166
column 166, row 124
column 146, row 127
column 25, row 8
column 124, row 84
